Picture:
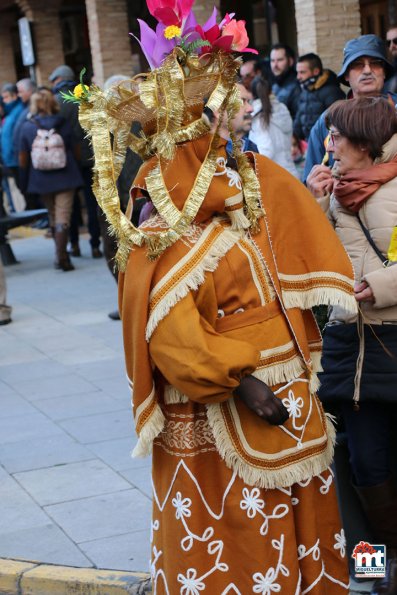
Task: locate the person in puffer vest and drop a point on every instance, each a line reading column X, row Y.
column 319, row 90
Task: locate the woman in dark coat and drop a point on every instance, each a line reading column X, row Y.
column 55, row 186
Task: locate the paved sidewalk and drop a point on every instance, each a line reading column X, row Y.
column 70, row 494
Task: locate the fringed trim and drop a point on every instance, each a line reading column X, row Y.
column 316, row 359
column 268, row 478
column 318, row 296
column 234, row 208
column 148, row 433
column 172, row 396
column 282, row 372
column 314, row 383
column 193, row 279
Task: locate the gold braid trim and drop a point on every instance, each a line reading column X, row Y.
column 250, row 182
column 94, row 119
column 107, row 120
column 178, row 220
column 227, row 65
column 146, row 146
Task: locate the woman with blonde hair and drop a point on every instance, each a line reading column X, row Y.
column 48, row 167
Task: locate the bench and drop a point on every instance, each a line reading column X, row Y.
column 10, row 221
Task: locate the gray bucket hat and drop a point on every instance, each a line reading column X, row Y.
column 63, row 71
column 365, row 45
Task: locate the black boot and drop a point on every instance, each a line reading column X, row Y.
column 61, row 240
column 380, row 505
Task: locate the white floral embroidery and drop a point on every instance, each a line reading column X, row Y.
column 192, row 235
column 265, row 584
column 157, row 221
column 233, row 175
column 293, row 404
column 154, row 526
column 251, row 502
column 327, row 483
column 314, row 551
column 190, row 584
column 155, row 556
column 182, row 506
column 340, row 543
column 255, row 505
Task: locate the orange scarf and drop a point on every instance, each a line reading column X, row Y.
column 356, row 187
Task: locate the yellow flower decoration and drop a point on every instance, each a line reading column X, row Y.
column 79, row 91
column 172, row 31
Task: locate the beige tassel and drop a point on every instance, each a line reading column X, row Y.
column 234, row 207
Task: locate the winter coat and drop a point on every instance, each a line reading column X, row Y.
column 23, row 116
column 35, row 181
column 9, row 153
column 316, row 96
column 70, row 111
column 287, row 90
column 274, row 141
column 379, row 215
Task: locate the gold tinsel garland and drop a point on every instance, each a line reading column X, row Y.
column 165, row 100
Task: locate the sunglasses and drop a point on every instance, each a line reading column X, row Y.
column 361, row 64
column 391, row 41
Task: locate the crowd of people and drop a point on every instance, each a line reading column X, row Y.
column 293, row 111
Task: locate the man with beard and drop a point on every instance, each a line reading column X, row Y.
column 319, row 90
column 365, row 69
column 242, row 121
column 286, row 87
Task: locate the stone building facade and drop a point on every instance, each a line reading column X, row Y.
column 95, row 32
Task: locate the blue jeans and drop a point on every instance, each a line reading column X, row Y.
column 369, row 437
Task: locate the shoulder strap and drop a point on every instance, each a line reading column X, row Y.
column 372, row 243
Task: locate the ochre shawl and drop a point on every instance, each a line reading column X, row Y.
column 307, row 266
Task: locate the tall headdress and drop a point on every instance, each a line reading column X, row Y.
column 192, row 67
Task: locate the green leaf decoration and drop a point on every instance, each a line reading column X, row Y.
column 195, row 45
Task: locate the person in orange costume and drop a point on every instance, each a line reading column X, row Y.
column 221, row 347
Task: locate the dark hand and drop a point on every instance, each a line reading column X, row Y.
column 259, row 398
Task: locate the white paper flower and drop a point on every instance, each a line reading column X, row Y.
column 265, row 585
column 251, row 502
column 190, row 584
column 340, row 543
column 182, row 506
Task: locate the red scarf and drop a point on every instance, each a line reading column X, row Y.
column 355, row 188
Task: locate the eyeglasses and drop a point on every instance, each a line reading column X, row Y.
column 391, row 41
column 334, row 136
column 361, row 64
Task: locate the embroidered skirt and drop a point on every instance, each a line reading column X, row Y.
column 213, row 533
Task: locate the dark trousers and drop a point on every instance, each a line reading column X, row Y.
column 369, row 437
column 92, row 212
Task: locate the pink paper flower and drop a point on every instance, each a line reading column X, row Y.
column 170, row 12
column 237, row 30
